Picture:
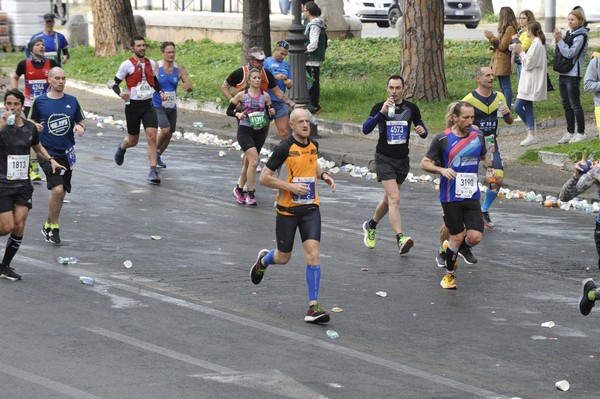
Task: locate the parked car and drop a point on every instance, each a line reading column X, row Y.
column 455, row 12
column 372, row 11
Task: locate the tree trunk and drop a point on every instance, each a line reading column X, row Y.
column 256, row 27
column 487, row 7
column 423, row 50
column 114, row 26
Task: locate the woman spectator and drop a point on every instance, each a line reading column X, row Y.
column 525, row 17
column 573, row 46
column 501, row 59
column 533, row 81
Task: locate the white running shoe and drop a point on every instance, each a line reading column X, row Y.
column 566, row 138
column 578, row 137
column 529, row 140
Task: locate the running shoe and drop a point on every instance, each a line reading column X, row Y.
column 566, row 138
column 54, row 236
column 448, row 282
column 467, row 256
column 251, row 198
column 316, row 314
column 369, row 235
column 404, row 244
column 487, row 221
column 441, row 258
column 258, row 270
column 9, row 273
column 46, row 231
column 159, row 161
column 238, row 193
column 578, row 137
column 588, row 287
column 120, row 155
column 153, row 177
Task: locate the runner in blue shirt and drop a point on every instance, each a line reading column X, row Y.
column 282, row 72
column 57, row 47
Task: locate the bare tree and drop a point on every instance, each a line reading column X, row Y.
column 256, row 26
column 487, row 7
column 423, row 50
column 114, row 26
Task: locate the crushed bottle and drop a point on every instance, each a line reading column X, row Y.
column 87, row 280
column 332, row 334
column 67, row 260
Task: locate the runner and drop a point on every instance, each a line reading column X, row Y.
column 169, row 75
column 459, row 150
column 139, row 74
column 56, row 43
column 17, row 137
column 393, row 117
column 297, row 208
column 282, row 72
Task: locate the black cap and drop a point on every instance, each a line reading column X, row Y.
column 49, row 17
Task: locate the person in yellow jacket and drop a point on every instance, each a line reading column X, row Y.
column 521, row 37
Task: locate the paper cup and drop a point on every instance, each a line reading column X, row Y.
column 562, row 385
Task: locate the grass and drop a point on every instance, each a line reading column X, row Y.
column 353, row 77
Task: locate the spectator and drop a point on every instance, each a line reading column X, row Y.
column 591, row 84
column 315, row 52
column 521, row 37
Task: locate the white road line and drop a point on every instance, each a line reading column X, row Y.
column 46, row 383
column 433, row 378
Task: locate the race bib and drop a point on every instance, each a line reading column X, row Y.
column 257, row 120
column 308, row 198
column 142, row 91
column 171, row 100
column 465, row 185
column 17, row 167
column 71, row 157
column 37, row 87
column 397, row 132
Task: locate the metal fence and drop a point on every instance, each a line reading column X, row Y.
column 189, row 5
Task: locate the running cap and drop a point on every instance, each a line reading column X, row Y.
column 258, row 53
column 49, row 17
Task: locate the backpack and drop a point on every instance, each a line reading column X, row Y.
column 563, row 64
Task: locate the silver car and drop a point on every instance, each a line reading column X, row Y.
column 462, row 12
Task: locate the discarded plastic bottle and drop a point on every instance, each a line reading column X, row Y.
column 551, row 203
column 87, row 280
column 68, row 260
column 491, row 180
column 499, row 114
column 332, row 334
column 198, row 125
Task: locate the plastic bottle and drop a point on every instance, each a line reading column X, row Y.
column 332, row 334
column 10, row 120
column 491, row 180
column 87, row 280
column 551, row 203
column 391, row 112
column 499, row 114
column 530, row 197
column 67, row 260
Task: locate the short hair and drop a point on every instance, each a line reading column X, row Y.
column 395, row 77
column 135, row 39
column 33, row 42
column 15, row 93
column 164, row 45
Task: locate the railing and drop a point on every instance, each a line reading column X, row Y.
column 234, row 6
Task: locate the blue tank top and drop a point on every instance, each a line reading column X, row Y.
column 168, row 83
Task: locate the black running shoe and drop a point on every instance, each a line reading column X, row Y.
column 258, row 271
column 9, row 273
column 487, row 221
column 120, row 155
column 467, row 256
column 54, row 236
column 585, row 303
column 316, row 314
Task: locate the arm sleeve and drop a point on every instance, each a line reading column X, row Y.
column 421, row 123
column 374, row 117
column 231, row 109
column 116, row 87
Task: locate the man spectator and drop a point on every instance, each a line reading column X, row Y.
column 139, row 74
column 56, row 43
column 62, row 118
column 282, row 72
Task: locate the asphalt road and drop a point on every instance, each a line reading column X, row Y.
column 186, row 322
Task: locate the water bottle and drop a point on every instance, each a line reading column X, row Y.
column 499, row 114
column 392, row 112
column 332, row 334
column 67, row 260
column 10, row 120
column 87, row 280
column 491, row 180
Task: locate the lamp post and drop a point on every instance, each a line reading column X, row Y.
column 299, row 92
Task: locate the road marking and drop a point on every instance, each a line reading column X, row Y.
column 409, row 370
column 46, row 383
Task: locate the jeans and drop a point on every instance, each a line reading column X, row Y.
column 569, row 95
column 519, row 67
column 506, row 88
column 524, row 108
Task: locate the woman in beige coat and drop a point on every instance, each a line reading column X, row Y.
column 501, row 58
column 533, row 81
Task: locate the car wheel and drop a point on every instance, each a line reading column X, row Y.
column 393, row 16
column 383, row 24
column 472, row 26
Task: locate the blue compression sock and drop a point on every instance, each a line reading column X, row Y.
column 269, row 259
column 313, row 278
column 490, row 196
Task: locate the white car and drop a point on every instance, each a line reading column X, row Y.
column 371, row 11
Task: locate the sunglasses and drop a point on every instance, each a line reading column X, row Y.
column 283, row 44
